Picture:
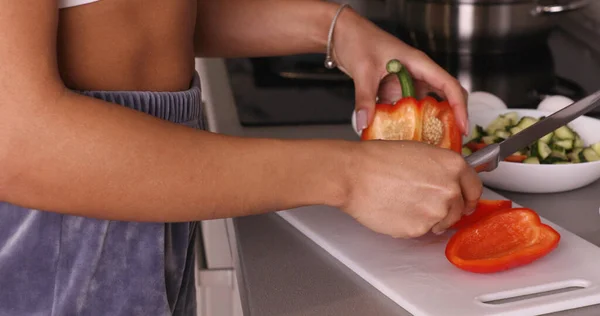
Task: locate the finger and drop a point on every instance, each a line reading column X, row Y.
column 454, row 214
column 423, row 68
column 366, row 86
column 465, row 96
column 471, row 188
column 390, row 90
column 451, row 88
column 423, row 89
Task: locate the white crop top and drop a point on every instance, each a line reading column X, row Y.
column 73, row 3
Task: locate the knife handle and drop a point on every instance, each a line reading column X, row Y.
column 485, row 159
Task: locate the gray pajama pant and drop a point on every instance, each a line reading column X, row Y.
column 60, row 265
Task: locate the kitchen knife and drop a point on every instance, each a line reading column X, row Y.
column 487, row 158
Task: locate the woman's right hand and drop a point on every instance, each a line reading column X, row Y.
column 405, row 189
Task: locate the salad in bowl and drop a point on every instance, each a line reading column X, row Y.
column 565, row 159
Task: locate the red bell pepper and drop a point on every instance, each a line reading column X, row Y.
column 426, row 120
column 473, row 146
column 484, row 208
column 503, row 240
column 515, row 158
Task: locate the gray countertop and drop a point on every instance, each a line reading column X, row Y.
column 281, row 272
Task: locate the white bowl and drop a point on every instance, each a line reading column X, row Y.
column 542, row 178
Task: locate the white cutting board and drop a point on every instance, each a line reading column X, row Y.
column 417, row 276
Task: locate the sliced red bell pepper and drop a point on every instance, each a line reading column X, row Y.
column 426, row 120
column 473, row 146
column 484, row 208
column 503, row 240
column 515, row 158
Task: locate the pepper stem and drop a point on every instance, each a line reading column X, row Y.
column 395, row 67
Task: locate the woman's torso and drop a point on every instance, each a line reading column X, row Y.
column 127, row 45
column 53, row 264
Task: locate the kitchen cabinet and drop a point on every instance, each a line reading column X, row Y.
column 217, row 293
column 216, row 286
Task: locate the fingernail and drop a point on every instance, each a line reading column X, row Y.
column 361, row 120
column 440, row 232
column 470, row 211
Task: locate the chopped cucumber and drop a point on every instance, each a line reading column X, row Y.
column 588, row 155
column 526, row 121
column 560, row 151
column 500, row 123
column 533, row 160
column 556, row 157
column 502, row 134
column 466, row 151
column 489, row 139
column 596, row 147
column 515, row 130
column 540, row 150
column 478, row 132
column 546, row 139
column 564, row 144
column 564, row 132
column 574, row 155
column 512, row 117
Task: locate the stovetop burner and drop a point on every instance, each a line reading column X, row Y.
column 298, row 90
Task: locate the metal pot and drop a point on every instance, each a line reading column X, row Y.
column 480, row 26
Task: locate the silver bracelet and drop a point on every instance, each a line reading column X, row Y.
column 329, row 62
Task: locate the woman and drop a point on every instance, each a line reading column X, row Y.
column 106, row 167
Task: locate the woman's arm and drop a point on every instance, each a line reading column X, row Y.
column 249, row 28
column 67, row 153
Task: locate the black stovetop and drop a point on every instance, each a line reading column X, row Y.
column 298, row 90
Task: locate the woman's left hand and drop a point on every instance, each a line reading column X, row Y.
column 362, row 50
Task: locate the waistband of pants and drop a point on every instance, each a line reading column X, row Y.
column 177, row 107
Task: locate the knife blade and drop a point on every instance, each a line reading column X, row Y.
column 487, row 159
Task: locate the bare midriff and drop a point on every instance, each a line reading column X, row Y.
column 133, row 45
